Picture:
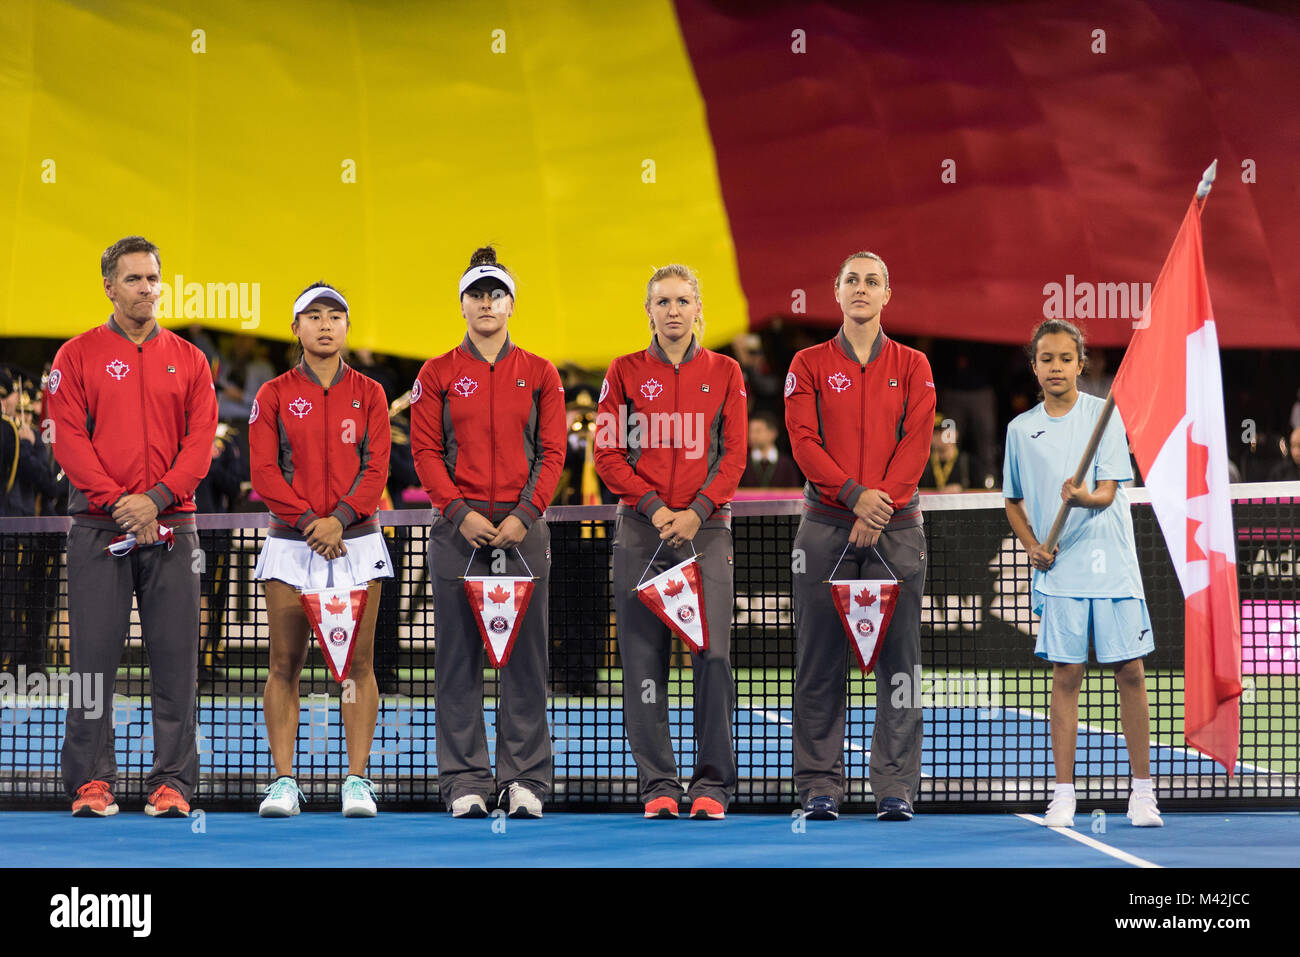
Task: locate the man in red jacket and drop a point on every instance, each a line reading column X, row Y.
column 131, row 412
column 860, row 409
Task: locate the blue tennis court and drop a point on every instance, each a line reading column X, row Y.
column 50, row 839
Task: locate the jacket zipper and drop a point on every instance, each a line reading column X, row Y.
column 492, row 439
column 672, row 468
column 325, row 412
column 862, row 445
column 144, row 417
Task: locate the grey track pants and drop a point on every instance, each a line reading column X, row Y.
column 645, row 647
column 523, row 738
column 821, row 663
column 166, row 586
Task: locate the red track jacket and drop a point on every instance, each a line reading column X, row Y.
column 319, row 450
column 856, row 425
column 488, row 436
column 131, row 419
column 672, row 436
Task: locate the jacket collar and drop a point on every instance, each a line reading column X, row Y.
column 112, row 324
column 656, row 351
column 846, row 347
column 469, row 347
column 310, row 376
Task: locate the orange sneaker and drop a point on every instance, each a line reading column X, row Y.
column 167, row 802
column 707, row 809
column 94, row 800
column 661, row 807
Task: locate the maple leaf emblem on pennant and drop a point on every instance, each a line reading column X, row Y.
column 651, row 389
column 300, row 407
column 499, row 595
column 673, row 588
column 866, row 599
column 118, row 369
column 465, row 386
column 839, row 381
column 336, row 605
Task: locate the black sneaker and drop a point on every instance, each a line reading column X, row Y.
column 893, row 809
column 821, row 808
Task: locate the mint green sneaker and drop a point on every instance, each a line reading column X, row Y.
column 358, row 797
column 282, row 797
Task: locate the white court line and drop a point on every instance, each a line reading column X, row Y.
column 773, row 716
column 1259, row 769
column 1092, row 842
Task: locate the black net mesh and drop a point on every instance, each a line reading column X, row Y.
column 986, row 697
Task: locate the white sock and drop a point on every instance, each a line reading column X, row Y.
column 1144, row 786
column 1064, row 790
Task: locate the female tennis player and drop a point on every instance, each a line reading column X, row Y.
column 318, row 440
column 1090, row 584
column 488, row 436
column 670, row 442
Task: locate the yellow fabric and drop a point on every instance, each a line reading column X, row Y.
column 233, row 161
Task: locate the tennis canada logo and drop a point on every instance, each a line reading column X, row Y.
column 52, row 383
column 252, row 416
column 338, row 636
column 604, row 390
column 865, row 627
column 117, row 369
column 498, row 624
column 686, row 614
column 790, row 382
column 416, row 391
column 839, row 381
column 300, row 407
column 465, row 387
column 651, row 389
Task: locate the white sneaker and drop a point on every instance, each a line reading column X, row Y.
column 282, row 797
column 358, row 797
column 469, row 805
column 1142, row 810
column 523, row 802
column 1060, row 813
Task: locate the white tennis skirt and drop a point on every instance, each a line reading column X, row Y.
column 294, row 563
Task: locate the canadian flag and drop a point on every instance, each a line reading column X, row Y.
column 677, row 599
column 865, row 607
column 499, row 604
column 1169, row 392
column 335, row 614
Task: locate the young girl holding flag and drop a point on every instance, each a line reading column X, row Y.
column 1089, row 584
column 670, row 442
column 488, row 436
column 318, row 440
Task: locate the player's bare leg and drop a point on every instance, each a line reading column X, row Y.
column 1067, row 679
column 280, row 701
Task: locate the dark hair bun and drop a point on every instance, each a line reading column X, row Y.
column 484, row 256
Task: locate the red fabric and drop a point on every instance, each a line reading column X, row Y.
column 489, row 413
column 1176, row 434
column 702, row 386
column 1066, row 160
column 327, row 431
column 844, row 419
column 128, row 418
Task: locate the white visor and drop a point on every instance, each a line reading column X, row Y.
column 318, row 292
column 486, row 272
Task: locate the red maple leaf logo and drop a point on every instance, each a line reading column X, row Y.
column 673, row 588
column 866, row 599
column 336, row 605
column 499, row 595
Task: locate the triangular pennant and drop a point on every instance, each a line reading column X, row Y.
column 865, row 607
column 335, row 615
column 677, row 599
column 499, row 604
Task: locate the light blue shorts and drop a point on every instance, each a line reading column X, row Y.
column 1120, row 629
